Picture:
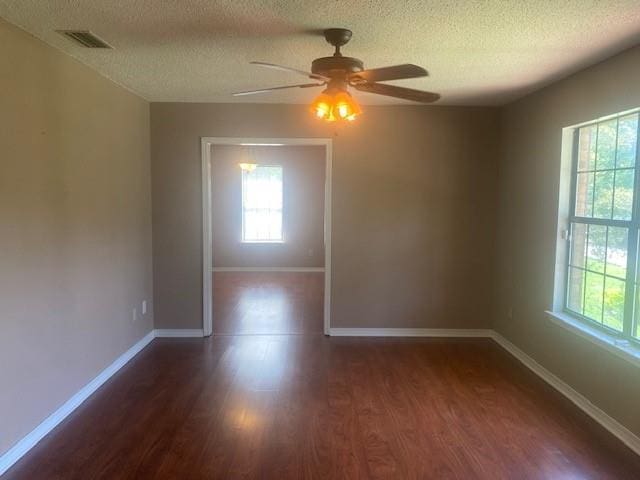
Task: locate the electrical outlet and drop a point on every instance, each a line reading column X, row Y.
column 144, row 307
column 134, row 315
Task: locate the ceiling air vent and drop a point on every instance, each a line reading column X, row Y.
column 85, row 38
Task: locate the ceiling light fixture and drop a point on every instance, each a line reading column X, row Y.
column 247, row 167
column 335, row 104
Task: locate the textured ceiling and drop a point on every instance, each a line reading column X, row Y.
column 478, row 52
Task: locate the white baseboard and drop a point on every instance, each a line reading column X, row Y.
column 178, row 332
column 267, row 269
column 31, row 439
column 410, row 332
column 621, row 432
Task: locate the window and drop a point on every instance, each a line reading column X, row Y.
column 602, row 273
column 262, row 204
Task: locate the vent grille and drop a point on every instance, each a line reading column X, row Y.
column 85, row 38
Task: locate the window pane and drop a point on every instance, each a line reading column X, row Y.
column 613, row 313
column 575, row 289
column 617, row 252
column 606, row 150
column 275, row 225
column 250, row 225
column 623, row 194
column 603, row 195
column 636, row 315
column 594, row 285
column 606, row 169
column 627, row 141
column 584, row 194
column 262, row 204
column 587, row 148
column 596, row 247
column 636, row 333
column 578, row 245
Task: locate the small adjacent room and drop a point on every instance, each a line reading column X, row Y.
column 321, row 240
column 267, row 213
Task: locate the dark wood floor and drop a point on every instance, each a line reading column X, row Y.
column 268, row 303
column 310, row 406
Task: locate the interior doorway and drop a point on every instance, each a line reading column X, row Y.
column 266, row 236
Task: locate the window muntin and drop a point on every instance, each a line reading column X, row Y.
column 602, row 285
column 262, row 204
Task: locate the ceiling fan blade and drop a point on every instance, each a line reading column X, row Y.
column 398, row 92
column 315, row 76
column 262, row 90
column 397, row 72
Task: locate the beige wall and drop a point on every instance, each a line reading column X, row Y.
column 303, row 207
column 413, row 209
column 75, row 229
column 529, row 186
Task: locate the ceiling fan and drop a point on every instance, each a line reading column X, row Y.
column 338, row 73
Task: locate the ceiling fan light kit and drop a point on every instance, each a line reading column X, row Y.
column 335, row 106
column 338, row 73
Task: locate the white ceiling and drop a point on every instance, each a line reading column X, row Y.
column 478, row 52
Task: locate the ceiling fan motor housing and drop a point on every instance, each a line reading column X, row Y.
column 337, row 36
column 330, row 66
column 337, row 66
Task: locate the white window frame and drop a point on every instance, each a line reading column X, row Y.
column 243, row 239
column 622, row 344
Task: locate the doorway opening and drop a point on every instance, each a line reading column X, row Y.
column 266, row 235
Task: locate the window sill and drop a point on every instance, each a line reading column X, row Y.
column 621, row 348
